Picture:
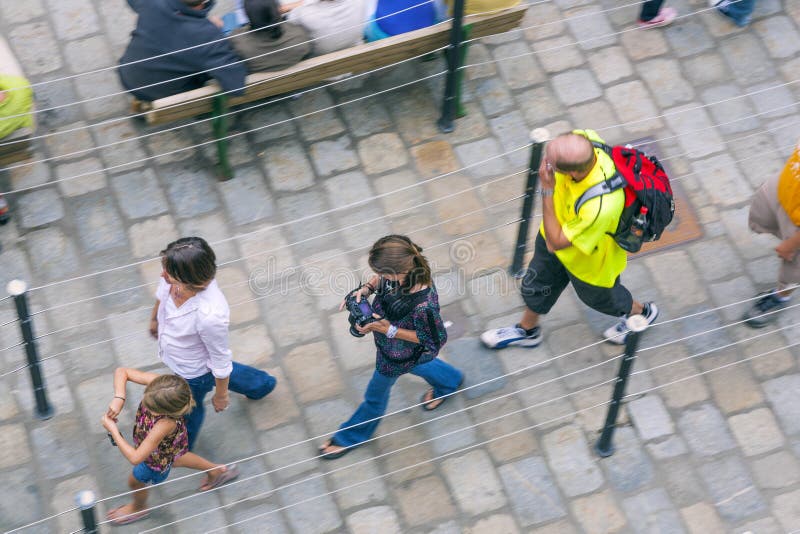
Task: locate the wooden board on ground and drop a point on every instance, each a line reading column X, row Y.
column 685, row 226
column 358, row 59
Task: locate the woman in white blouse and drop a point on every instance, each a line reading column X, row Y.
column 190, row 321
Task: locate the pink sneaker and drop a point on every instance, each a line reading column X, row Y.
column 665, row 16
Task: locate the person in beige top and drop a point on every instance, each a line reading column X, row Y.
column 333, row 24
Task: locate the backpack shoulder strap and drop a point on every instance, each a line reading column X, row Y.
column 607, row 186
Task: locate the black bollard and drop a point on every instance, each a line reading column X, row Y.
column 453, row 54
column 539, row 137
column 18, row 289
column 86, row 502
column 604, row 446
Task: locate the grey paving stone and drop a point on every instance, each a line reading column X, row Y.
column 24, row 503
column 539, row 105
column 698, row 138
column 315, row 125
column 666, row 83
column 731, row 488
column 334, row 155
column 591, row 29
column 628, row 468
column 81, row 177
column 73, row 20
column 39, row 208
column 454, row 432
column 292, row 460
column 494, row 523
column 94, row 91
column 473, row 481
column 214, row 518
column 382, row 152
column 784, row 396
column 35, row 48
column 761, row 526
column 757, row 431
column 785, row 508
column 569, row 457
column 749, row 244
column 610, row 64
column 520, row 72
column 773, row 102
column 472, row 154
column 52, row 252
column 478, row 365
column 701, row 517
column 776, row 471
column 492, row 95
column 779, row 35
column 667, row 448
column 558, row 54
column 246, row 196
column 14, row 438
column 269, row 122
column 732, row 115
column 682, row 482
column 377, row 518
column 673, row 269
column 715, row 258
column 19, row 12
column 598, row 513
column 650, row 417
column 369, row 116
column 287, row 166
column 414, row 111
column 360, row 484
column 191, row 192
column 706, row 69
column 689, row 38
column 633, row 104
column 731, row 291
column 533, row 494
column 139, row 194
column 747, row 59
column 98, row 224
column 148, row 237
column 297, row 206
column 286, row 313
column 652, row 511
column 125, row 155
column 265, row 515
column 88, row 54
column 705, row 430
column 61, row 446
column 575, row 86
column 512, row 132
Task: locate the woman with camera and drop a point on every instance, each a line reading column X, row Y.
column 408, row 333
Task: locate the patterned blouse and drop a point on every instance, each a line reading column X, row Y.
column 396, row 356
column 175, row 445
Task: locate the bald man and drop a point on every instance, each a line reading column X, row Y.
column 576, row 248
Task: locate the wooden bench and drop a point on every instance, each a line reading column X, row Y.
column 16, row 146
column 357, row 59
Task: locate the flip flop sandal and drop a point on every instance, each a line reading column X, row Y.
column 130, row 518
column 425, row 402
column 333, row 455
column 231, row 473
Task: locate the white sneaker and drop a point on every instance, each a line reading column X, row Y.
column 619, row 332
column 501, row 338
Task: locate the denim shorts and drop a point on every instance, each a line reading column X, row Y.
column 146, row 475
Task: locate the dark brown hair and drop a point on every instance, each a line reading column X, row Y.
column 168, row 395
column 397, row 254
column 264, row 14
column 190, row 260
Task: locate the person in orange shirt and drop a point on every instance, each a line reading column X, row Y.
column 775, row 209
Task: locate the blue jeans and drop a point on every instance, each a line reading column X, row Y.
column 144, row 474
column 248, row 381
column 442, row 376
column 739, row 11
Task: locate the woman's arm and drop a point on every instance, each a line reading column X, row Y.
column 154, row 320
column 137, row 455
column 123, row 375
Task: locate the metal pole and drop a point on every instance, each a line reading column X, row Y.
column 539, row 137
column 636, row 324
column 453, row 54
column 18, row 289
column 86, row 501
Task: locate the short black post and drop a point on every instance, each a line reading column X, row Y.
column 18, row 289
column 219, row 124
column 604, row 446
column 453, row 54
column 539, row 137
column 86, row 501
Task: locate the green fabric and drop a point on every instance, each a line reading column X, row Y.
column 17, row 102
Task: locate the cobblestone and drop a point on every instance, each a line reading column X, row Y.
column 757, row 431
column 705, row 430
column 475, row 487
column 650, row 417
column 246, row 197
column 574, row 87
column 39, row 208
column 139, row 194
column 776, row 471
column 378, row 518
column 731, row 488
column 424, row 500
column 190, row 191
column 632, row 103
column 598, row 513
column 652, row 511
column 783, row 393
column 746, row 58
column 569, row 458
column 530, row 488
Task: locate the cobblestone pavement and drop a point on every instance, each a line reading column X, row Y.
column 701, row 453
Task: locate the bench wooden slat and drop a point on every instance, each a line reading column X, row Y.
column 355, row 60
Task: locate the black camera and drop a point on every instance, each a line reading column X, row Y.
column 360, row 312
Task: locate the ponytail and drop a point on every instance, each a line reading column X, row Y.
column 396, row 254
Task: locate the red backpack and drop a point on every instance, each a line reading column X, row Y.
column 649, row 204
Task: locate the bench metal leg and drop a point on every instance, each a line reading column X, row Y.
column 453, row 52
column 460, row 110
column 220, row 125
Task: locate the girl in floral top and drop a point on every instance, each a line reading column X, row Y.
column 408, row 338
column 159, row 438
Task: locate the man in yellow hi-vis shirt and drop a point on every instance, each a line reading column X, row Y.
column 775, row 209
column 572, row 247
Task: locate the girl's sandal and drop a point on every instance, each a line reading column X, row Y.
column 333, row 455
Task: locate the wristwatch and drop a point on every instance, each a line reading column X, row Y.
column 391, row 332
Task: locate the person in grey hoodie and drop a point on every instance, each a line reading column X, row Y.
column 150, row 71
column 269, row 43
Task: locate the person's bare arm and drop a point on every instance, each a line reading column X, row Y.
column 285, row 8
column 787, row 249
column 137, row 455
column 553, row 233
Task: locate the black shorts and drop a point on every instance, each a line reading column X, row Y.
column 546, row 277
